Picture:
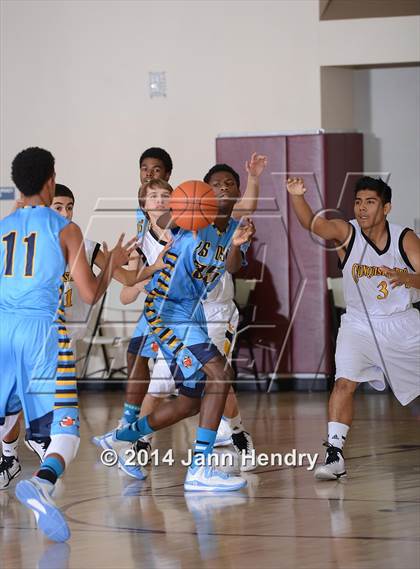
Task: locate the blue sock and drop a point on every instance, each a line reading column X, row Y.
column 204, row 443
column 134, row 431
column 50, row 469
column 130, row 413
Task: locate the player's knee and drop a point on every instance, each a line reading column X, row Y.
column 131, row 358
column 229, row 375
column 9, row 422
column 194, row 406
column 345, row 386
column 64, row 445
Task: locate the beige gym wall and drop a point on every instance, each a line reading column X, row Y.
column 74, row 79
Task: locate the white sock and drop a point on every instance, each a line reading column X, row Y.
column 235, row 423
column 337, row 433
column 10, row 449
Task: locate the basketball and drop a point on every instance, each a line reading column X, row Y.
column 194, row 205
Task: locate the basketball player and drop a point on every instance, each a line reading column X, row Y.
column 74, row 313
column 379, row 335
column 174, row 321
column 37, row 244
column 220, row 310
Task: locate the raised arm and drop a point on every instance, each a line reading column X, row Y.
column 330, row 229
column 249, row 201
column 90, row 287
column 243, row 233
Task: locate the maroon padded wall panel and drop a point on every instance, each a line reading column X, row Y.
column 292, row 293
column 269, row 255
column 343, row 165
column 310, row 346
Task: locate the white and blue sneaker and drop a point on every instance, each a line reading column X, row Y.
column 98, row 440
column 35, row 495
column 129, row 465
column 224, row 434
column 209, row 479
column 126, row 461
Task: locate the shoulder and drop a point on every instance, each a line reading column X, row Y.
column 409, row 247
column 9, row 219
column 72, row 231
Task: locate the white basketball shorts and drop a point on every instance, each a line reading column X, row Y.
column 386, row 348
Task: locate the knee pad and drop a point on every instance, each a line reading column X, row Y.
column 64, row 445
column 9, row 423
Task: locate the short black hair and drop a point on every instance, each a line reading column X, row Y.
column 31, row 169
column 375, row 184
column 159, row 154
column 222, row 168
column 63, row 191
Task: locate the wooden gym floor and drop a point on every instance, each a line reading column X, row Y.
column 284, row 518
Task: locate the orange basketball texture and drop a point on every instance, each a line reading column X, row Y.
column 194, row 205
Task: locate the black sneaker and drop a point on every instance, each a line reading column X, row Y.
column 145, row 448
column 333, row 467
column 38, row 446
column 244, row 446
column 9, row 469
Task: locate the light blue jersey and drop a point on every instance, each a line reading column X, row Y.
column 173, row 318
column 38, row 371
column 195, row 264
column 31, row 261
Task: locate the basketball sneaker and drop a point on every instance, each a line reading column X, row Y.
column 144, row 448
column 35, row 494
column 224, row 434
column 333, row 467
column 244, row 446
column 108, row 441
column 9, row 469
column 38, row 446
column 209, row 479
column 131, row 467
column 98, row 440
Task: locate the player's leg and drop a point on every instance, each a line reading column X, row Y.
column 131, row 409
column 340, row 417
column 355, row 358
column 161, row 385
column 222, row 323
column 200, row 476
column 191, row 354
column 138, row 378
column 48, row 391
column 10, row 405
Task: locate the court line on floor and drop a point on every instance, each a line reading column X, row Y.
column 118, row 529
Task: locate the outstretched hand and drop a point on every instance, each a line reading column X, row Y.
column 244, row 232
column 160, row 264
column 120, row 254
column 296, row 186
column 256, row 164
